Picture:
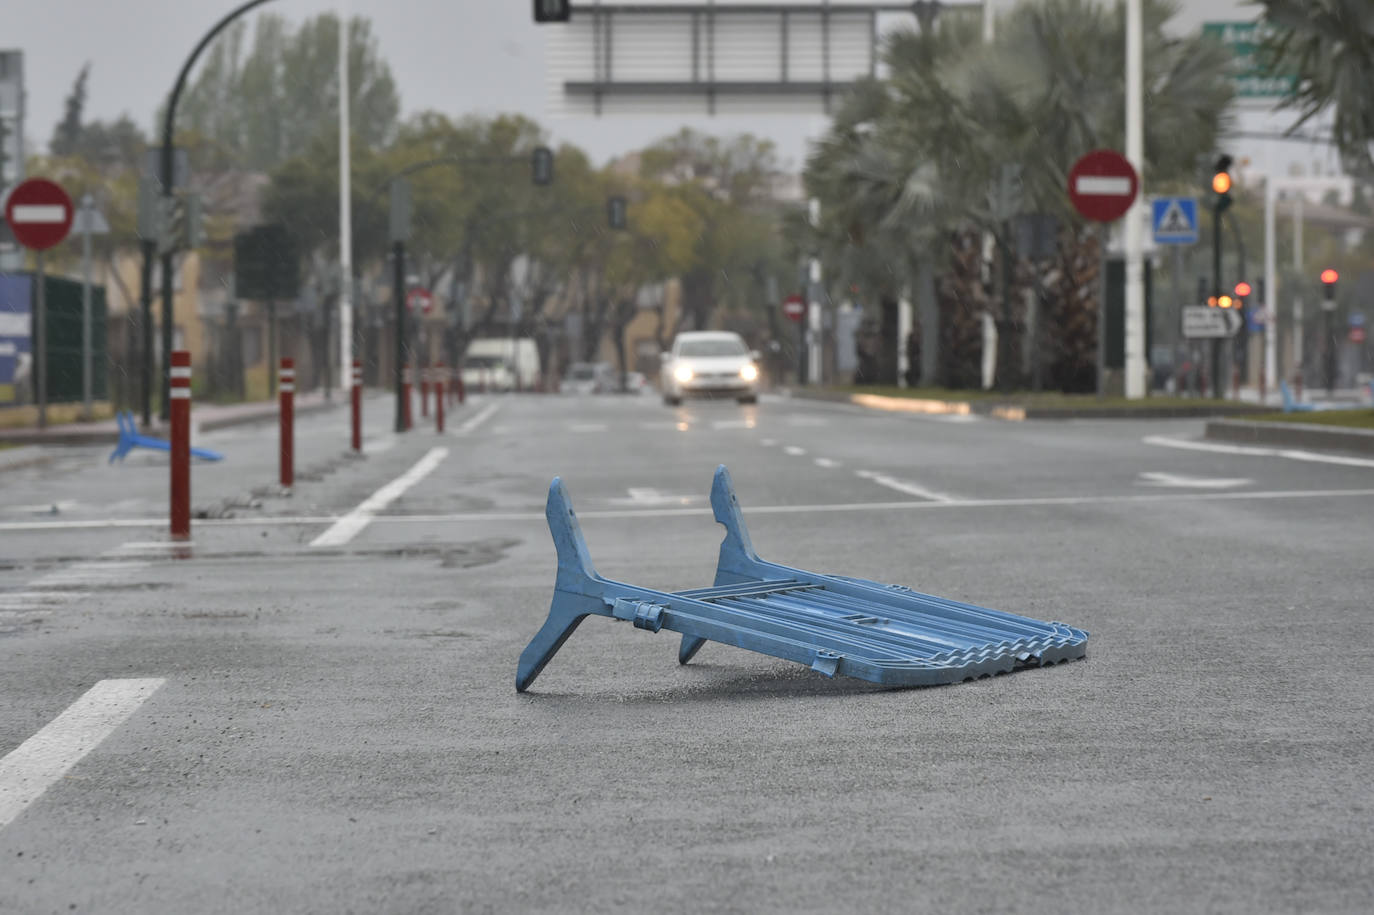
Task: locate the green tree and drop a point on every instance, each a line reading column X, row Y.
column 265, row 101
column 68, row 131
column 1328, row 45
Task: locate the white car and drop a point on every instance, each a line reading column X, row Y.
column 487, row 373
column 709, row 364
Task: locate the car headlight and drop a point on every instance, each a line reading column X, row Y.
column 682, row 373
column 749, row 372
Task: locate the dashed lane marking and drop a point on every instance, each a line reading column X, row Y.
column 29, row 769
column 1183, row 481
column 480, row 417
column 827, row 463
column 348, row 527
column 794, row 450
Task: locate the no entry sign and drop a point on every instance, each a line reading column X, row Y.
column 39, row 213
column 1103, row 185
column 793, row 308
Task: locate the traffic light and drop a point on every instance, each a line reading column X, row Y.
column 615, row 212
column 552, row 10
column 1329, row 278
column 541, row 165
column 1221, row 184
column 1225, row 301
column 1242, row 290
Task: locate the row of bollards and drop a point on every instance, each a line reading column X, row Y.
column 436, row 380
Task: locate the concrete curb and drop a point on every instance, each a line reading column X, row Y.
column 1292, row 435
column 1018, row 412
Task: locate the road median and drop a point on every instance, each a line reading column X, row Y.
column 1018, row 408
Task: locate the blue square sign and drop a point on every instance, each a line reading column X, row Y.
column 1174, row 220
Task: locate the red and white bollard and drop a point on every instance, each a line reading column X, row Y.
column 439, row 398
column 180, row 412
column 407, row 377
column 286, row 392
column 357, row 405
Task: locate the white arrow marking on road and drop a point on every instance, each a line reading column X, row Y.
column 45, row 757
column 905, row 486
column 1157, row 478
column 46, row 213
column 645, row 495
column 1290, row 454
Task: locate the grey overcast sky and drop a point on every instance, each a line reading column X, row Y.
column 454, row 56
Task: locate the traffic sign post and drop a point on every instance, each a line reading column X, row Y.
column 1201, row 322
column 39, row 214
column 1102, row 187
column 1174, row 220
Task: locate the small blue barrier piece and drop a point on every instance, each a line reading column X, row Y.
column 1290, row 404
column 886, row 634
column 130, row 438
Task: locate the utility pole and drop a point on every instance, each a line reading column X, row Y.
column 345, row 213
column 1135, row 236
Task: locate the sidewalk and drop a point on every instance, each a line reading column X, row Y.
column 204, row 418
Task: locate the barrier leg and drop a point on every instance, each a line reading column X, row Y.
column 286, row 392
column 180, row 414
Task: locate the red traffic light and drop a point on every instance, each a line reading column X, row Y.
column 1242, row 289
column 1330, row 276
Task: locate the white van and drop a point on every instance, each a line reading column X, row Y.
column 520, row 357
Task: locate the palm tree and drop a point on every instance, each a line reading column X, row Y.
column 1328, row 46
column 918, row 161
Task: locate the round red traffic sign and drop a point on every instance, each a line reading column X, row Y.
column 1103, row 185
column 793, row 307
column 39, row 213
column 420, row 298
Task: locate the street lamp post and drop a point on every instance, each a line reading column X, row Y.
column 150, row 246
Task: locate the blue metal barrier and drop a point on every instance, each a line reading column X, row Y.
column 130, row 438
column 1290, row 404
column 886, row 634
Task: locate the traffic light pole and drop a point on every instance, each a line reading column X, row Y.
column 398, row 293
column 1218, row 387
column 166, row 169
column 1329, row 333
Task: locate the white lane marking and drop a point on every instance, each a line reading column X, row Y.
column 586, row 427
column 347, row 527
column 652, row 497
column 659, row 425
column 1181, row 481
column 480, row 517
column 1291, row 454
column 827, row 463
column 482, row 416
column 954, row 418
column 30, row 768
column 906, row 486
column 768, row 442
column 733, row 424
column 794, row 451
column 807, row 421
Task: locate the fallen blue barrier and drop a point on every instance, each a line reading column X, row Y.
column 130, row 438
column 886, row 634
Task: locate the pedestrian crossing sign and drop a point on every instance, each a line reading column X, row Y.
column 1174, row 220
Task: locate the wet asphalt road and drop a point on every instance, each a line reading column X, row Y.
column 334, row 728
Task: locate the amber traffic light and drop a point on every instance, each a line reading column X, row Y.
column 1221, row 182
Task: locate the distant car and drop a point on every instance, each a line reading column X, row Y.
column 589, row 378
column 487, row 373
column 709, row 364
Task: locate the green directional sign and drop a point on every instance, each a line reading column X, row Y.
column 1243, row 40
